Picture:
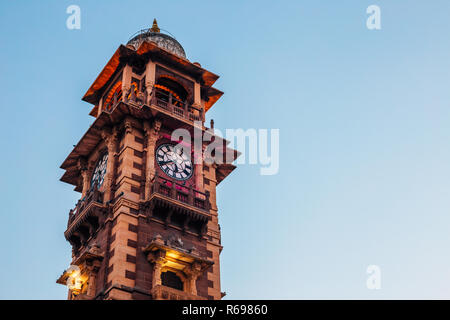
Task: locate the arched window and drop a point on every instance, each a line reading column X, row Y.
column 167, row 86
column 170, row 279
column 116, row 91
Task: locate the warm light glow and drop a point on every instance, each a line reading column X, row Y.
column 116, row 88
column 172, row 254
column 74, row 280
column 168, row 90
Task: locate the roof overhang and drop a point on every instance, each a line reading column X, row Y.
column 150, row 50
column 93, row 137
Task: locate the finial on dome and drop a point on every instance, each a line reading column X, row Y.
column 155, row 27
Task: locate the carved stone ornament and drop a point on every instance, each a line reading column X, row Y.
column 157, row 125
column 128, row 126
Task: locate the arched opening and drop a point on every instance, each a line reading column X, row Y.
column 171, row 280
column 114, row 95
column 166, row 87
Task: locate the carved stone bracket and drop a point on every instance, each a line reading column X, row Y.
column 157, row 125
column 128, row 126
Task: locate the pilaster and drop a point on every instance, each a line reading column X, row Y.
column 126, row 79
column 150, row 78
column 152, row 136
column 110, row 138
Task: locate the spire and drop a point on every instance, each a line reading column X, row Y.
column 155, row 27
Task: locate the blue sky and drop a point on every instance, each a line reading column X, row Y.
column 364, row 139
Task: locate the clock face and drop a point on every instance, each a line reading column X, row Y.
column 174, row 162
column 99, row 172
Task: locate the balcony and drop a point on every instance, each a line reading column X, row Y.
column 178, row 206
column 178, row 108
column 85, row 218
column 179, row 192
column 161, row 292
column 160, row 101
column 93, row 196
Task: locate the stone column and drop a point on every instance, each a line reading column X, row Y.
column 192, row 285
column 157, row 266
column 110, row 138
column 197, row 95
column 212, row 196
column 198, row 167
column 158, row 262
column 85, row 175
column 92, row 282
column 152, row 135
column 126, row 81
column 150, row 78
column 126, row 78
column 198, row 101
column 193, row 272
column 157, row 259
column 198, row 158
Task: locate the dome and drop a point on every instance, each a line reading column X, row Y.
column 161, row 39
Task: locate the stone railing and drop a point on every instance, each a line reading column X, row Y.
column 161, row 100
column 93, row 196
column 161, row 292
column 178, row 191
column 174, row 106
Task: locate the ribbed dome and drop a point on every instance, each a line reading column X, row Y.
column 161, row 39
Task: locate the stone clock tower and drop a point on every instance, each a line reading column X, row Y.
column 146, row 225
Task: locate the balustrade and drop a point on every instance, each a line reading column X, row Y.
column 177, row 191
column 160, row 99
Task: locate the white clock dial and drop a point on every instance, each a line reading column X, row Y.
column 174, row 162
column 99, row 172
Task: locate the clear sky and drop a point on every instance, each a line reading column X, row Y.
column 364, row 139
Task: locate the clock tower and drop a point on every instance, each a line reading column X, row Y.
column 146, row 225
